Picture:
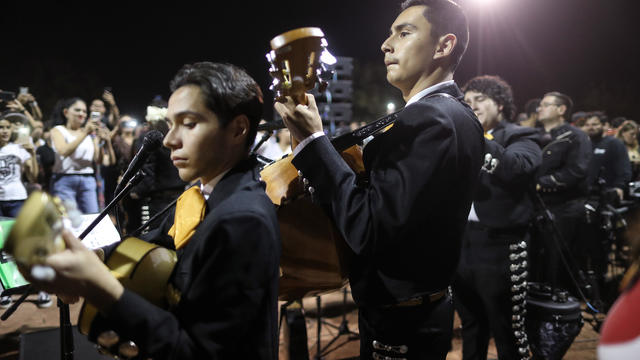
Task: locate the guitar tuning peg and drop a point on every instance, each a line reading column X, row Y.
column 43, row 273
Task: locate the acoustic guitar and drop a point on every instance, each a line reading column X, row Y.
column 315, row 256
column 140, row 266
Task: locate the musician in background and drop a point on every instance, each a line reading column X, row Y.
column 561, row 181
column 491, row 277
column 223, row 302
column 404, row 227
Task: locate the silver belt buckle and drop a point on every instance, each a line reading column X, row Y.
column 398, row 349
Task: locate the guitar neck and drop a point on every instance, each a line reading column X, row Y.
column 346, row 141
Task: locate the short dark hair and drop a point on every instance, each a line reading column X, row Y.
column 497, row 90
column 601, row 115
column 228, row 92
column 531, row 106
column 618, row 121
column 563, row 100
column 579, row 118
column 445, row 17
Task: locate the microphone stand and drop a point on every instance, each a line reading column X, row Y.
column 264, row 138
column 66, row 333
column 135, row 180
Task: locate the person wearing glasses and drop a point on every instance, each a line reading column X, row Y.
column 561, row 180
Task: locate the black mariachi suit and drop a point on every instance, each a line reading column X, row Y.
column 405, row 226
column 482, row 288
column 227, row 276
column 562, row 177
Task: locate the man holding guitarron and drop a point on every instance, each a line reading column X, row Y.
column 404, row 227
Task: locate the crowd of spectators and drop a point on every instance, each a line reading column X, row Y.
column 78, row 153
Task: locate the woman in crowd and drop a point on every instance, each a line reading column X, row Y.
column 17, row 157
column 106, row 106
column 628, row 133
column 79, row 148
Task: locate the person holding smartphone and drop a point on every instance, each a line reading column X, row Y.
column 77, row 145
column 26, row 98
column 106, row 106
column 16, row 158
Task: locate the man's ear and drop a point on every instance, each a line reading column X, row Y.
column 562, row 110
column 239, row 128
column 445, row 46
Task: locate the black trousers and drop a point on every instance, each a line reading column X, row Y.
column 482, row 294
column 425, row 330
column 571, row 228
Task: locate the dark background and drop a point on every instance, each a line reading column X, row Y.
column 585, row 48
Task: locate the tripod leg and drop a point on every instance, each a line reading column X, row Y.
column 319, row 327
column 66, row 333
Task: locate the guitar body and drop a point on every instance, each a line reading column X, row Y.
column 313, row 259
column 314, row 256
column 37, row 231
column 141, row 267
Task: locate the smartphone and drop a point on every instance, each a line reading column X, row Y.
column 95, row 115
column 23, row 135
column 7, row 95
column 108, row 88
column 23, row 90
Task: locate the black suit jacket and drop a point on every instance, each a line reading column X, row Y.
column 502, row 199
column 227, row 276
column 562, row 174
column 404, row 227
column 610, row 161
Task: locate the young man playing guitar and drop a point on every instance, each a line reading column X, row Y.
column 405, row 226
column 225, row 283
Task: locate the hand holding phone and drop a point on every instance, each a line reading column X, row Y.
column 7, row 96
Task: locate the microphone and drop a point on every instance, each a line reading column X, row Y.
column 272, row 125
column 151, row 142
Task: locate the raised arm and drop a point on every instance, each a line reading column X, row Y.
column 66, row 149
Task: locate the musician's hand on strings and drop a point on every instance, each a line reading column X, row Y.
column 80, row 273
column 301, row 120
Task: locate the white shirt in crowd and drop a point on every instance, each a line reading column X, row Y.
column 12, row 157
column 80, row 161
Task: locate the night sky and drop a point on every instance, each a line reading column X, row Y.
column 587, row 49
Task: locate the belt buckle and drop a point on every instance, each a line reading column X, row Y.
column 414, row 301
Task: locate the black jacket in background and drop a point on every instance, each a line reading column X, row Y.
column 405, row 226
column 565, row 160
column 610, row 161
column 511, row 160
column 161, row 174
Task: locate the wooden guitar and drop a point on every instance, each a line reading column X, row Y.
column 314, row 255
column 140, row 266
